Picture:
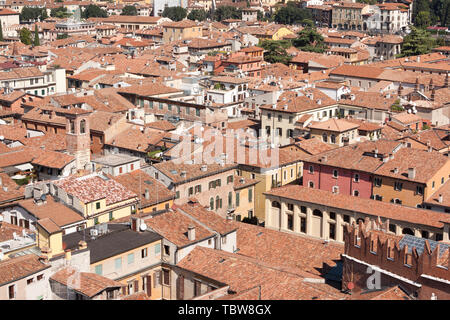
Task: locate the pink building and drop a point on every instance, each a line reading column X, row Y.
column 348, row 170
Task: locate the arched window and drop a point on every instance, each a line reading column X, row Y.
column 324, row 137
column 72, row 126
column 333, row 138
column 211, row 203
column 83, row 126
column 276, row 204
column 311, row 184
column 217, row 202
column 408, row 231
column 317, row 213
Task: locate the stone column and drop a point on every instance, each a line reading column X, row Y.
column 296, row 219
column 339, row 229
column 308, row 220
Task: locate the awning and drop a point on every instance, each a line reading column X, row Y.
column 18, row 177
column 24, row 167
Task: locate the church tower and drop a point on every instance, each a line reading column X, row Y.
column 78, row 136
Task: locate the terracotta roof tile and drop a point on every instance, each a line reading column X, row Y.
column 17, row 268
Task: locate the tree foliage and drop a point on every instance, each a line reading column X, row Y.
column 175, row 13
column 129, row 11
column 310, row 40
column 275, row 51
column 417, row 42
column 197, row 15
column 227, row 12
column 62, row 36
column 423, row 19
column 60, row 12
column 438, row 10
column 25, row 36
column 93, row 11
column 36, row 41
column 33, row 14
column 291, row 14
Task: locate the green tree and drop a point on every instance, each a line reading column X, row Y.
column 60, row 12
column 275, row 51
column 129, row 11
column 1, row 32
column 93, row 11
column 418, row 6
column 175, row 13
column 36, row 36
column 32, row 14
column 197, row 15
column 291, row 14
column 62, row 36
column 310, row 40
column 440, row 12
column 417, row 42
column 25, row 36
column 227, row 12
column 423, row 19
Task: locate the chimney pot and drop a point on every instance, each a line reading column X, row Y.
column 411, row 173
column 441, row 198
column 191, row 232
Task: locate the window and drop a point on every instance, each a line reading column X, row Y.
column 160, row 106
column 269, row 116
column 144, row 253
column 303, row 209
column 276, row 204
column 97, row 205
column 333, row 215
column 99, row 269
column 356, row 193
column 211, row 203
column 425, row 234
column 332, row 233
column 190, row 191
column 290, row 206
column 177, row 195
column 131, row 258
column 118, row 263
column 229, row 179
column 335, row 189
column 198, row 188
column 40, row 277
column 12, row 291
column 197, row 112
column 311, row 184
column 419, row 190
column 111, row 216
column 157, row 248
column 311, row 169
column 379, row 198
column 335, row 173
column 280, row 118
column 83, row 126
column 303, row 224
column 333, row 138
column 166, row 277
column 250, row 195
column 290, row 222
column 432, row 185
column 377, row 182
column 96, row 220
column 237, row 199
column 398, row 186
column 167, row 250
column 346, row 218
column 30, row 281
column 324, row 137
column 356, row 177
column 230, row 199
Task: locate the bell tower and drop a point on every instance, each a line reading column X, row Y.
column 78, row 136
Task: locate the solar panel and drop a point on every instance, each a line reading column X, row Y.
column 419, row 244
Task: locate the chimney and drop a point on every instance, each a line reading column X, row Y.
column 430, row 85
column 68, row 255
column 191, row 233
column 441, row 198
column 204, row 168
column 147, row 194
column 446, row 83
column 395, row 170
column 433, row 93
column 411, row 173
column 416, row 85
column 82, row 245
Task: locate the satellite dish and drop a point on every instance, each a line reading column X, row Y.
column 143, row 227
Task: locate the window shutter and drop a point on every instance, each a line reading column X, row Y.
column 180, row 287
column 149, row 285
column 136, row 286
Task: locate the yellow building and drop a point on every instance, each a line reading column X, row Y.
column 180, row 30
column 410, row 177
column 244, row 198
column 285, row 166
column 96, row 197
